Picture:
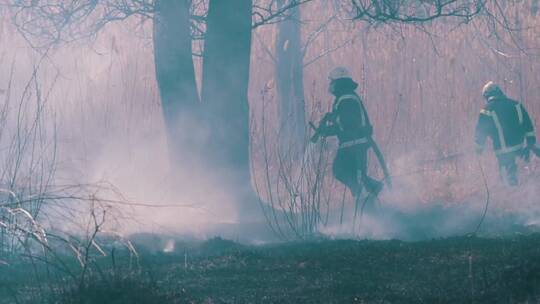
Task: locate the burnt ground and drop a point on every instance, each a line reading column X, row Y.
column 450, row 270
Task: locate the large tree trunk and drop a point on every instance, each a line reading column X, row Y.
column 175, row 75
column 289, row 83
column 224, row 92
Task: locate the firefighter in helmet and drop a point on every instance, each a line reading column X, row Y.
column 349, row 121
column 510, row 128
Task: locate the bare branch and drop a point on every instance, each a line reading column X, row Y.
column 415, row 11
column 272, row 14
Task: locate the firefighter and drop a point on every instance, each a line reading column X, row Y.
column 349, row 121
column 510, row 128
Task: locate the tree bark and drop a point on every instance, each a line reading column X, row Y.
column 175, row 75
column 290, row 83
column 226, row 61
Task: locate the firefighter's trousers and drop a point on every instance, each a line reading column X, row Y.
column 508, row 168
column 350, row 168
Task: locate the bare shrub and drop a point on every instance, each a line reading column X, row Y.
column 58, row 229
column 297, row 191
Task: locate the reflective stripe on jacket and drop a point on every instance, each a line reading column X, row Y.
column 352, row 121
column 508, row 125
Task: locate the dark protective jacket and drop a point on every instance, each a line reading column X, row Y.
column 508, row 125
column 349, row 121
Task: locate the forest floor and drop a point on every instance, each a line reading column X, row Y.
column 450, row 270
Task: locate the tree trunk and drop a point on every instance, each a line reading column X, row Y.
column 534, row 7
column 225, row 82
column 289, row 84
column 175, row 74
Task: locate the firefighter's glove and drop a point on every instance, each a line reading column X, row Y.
column 326, row 126
column 324, row 130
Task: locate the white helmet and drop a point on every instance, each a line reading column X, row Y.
column 338, row 73
column 491, row 89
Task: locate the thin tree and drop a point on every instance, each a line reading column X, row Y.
column 289, row 82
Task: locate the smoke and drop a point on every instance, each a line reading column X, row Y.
column 105, row 123
column 424, row 205
column 105, row 109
